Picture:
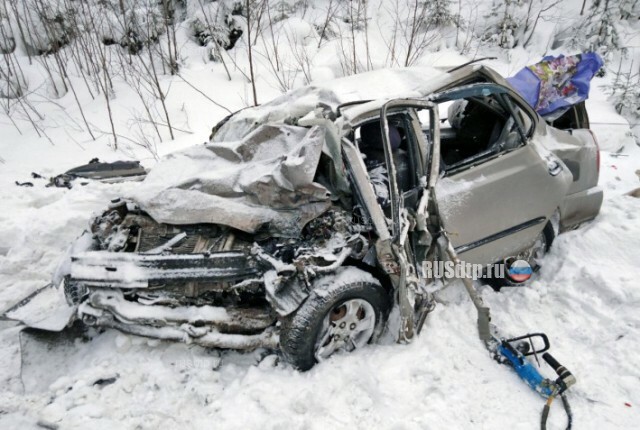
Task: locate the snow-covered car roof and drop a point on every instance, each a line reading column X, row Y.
column 374, row 85
column 258, row 171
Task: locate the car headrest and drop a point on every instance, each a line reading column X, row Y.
column 371, row 135
column 455, row 114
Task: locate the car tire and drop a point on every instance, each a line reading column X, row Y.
column 538, row 250
column 336, row 316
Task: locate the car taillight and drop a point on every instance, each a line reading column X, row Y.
column 595, row 140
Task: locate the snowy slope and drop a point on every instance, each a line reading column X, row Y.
column 587, row 298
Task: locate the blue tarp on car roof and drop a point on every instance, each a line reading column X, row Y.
column 556, row 83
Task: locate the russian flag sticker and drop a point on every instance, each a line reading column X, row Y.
column 519, row 271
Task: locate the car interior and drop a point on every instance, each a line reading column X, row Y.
column 368, row 138
column 475, row 128
column 574, row 117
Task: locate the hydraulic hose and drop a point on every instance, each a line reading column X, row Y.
column 567, row 409
column 547, row 408
column 565, row 380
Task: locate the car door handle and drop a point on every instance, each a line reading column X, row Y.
column 554, row 167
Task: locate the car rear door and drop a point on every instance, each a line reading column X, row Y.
column 496, row 205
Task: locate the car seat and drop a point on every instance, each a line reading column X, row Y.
column 371, row 146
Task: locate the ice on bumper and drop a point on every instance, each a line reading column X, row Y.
column 128, row 270
column 204, row 325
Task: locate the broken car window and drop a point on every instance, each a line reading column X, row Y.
column 476, row 128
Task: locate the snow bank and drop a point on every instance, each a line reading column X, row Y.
column 586, row 298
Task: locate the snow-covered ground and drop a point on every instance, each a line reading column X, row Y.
column 587, row 298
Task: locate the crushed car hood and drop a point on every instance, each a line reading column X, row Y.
column 263, row 182
column 257, row 172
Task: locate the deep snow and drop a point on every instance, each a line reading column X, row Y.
column 586, row 299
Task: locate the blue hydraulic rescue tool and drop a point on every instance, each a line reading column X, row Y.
column 514, row 351
column 514, row 354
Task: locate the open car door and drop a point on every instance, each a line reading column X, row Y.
column 403, row 218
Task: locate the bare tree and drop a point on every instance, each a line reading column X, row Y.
column 625, row 90
column 214, row 41
column 417, row 38
column 332, row 9
column 250, row 49
column 531, row 28
column 392, row 11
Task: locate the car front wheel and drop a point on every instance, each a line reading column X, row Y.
column 345, row 312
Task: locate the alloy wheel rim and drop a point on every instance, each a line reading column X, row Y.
column 347, row 326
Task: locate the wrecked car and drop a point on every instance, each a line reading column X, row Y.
column 304, row 222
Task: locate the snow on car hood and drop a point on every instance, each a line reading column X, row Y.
column 262, row 182
column 257, row 172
